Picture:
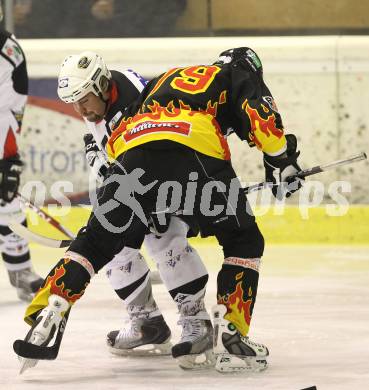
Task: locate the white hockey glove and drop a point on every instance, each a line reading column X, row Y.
column 279, row 169
column 95, row 157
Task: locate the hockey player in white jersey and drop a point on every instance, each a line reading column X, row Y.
column 13, row 97
column 100, row 96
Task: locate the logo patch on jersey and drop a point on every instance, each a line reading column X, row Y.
column 115, row 120
column 63, row 83
column 144, row 128
column 13, row 52
column 271, row 103
column 84, row 62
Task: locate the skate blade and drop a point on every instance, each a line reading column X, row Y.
column 231, row 363
column 197, row 362
column 164, row 349
column 25, row 364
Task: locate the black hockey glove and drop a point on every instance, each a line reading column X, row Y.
column 279, row 169
column 95, row 157
column 10, row 170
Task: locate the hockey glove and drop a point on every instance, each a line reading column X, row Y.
column 10, row 170
column 95, row 157
column 280, row 170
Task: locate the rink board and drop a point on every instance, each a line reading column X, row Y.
column 291, row 225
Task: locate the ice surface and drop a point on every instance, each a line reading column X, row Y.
column 312, row 311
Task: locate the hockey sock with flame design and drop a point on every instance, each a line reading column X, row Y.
column 237, row 288
column 68, row 279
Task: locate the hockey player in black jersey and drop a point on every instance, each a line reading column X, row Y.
column 175, row 133
column 100, row 96
column 13, row 96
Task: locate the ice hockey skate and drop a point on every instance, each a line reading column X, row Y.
column 235, row 353
column 141, row 336
column 47, row 325
column 195, row 348
column 26, row 283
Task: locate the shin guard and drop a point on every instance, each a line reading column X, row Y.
column 237, row 288
column 68, row 279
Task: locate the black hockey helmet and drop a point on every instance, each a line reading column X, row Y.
column 240, row 55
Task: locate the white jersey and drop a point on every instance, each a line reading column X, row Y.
column 13, row 92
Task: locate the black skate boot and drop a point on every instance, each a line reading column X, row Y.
column 141, row 336
column 195, row 348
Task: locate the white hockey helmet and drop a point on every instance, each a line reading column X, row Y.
column 81, row 74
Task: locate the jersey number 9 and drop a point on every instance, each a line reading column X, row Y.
column 195, row 79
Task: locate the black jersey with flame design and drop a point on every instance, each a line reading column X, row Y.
column 198, row 106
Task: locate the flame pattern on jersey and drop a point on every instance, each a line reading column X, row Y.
column 211, row 99
column 264, row 132
column 197, row 129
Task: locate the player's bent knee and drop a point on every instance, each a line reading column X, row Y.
column 167, row 246
column 126, row 268
column 245, row 243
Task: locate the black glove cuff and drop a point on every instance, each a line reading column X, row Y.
column 282, row 162
column 10, row 169
column 291, row 144
column 292, row 155
column 7, row 163
column 87, row 138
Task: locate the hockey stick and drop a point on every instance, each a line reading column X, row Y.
column 26, row 233
column 22, row 231
column 45, row 216
column 29, row 235
column 310, row 171
column 39, row 352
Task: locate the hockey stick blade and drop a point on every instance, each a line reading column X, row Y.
column 37, row 352
column 27, row 350
column 24, row 232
